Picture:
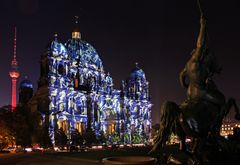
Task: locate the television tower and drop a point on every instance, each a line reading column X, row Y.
column 14, row 73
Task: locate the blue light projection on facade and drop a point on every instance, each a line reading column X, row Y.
column 76, row 82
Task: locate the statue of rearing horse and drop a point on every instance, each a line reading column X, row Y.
column 201, row 115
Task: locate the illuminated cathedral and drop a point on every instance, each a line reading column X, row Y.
column 74, row 92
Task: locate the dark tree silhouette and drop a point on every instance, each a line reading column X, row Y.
column 77, row 138
column 89, row 137
column 22, row 126
column 60, row 138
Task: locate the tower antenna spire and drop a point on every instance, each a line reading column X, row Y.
column 15, row 43
column 14, row 60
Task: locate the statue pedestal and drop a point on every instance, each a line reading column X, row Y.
column 129, row 160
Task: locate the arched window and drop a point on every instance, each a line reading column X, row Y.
column 76, row 83
column 110, row 129
column 79, row 126
column 61, row 69
column 63, row 124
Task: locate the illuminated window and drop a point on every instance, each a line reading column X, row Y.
column 111, row 128
column 78, row 126
column 76, row 83
column 63, row 124
column 60, row 69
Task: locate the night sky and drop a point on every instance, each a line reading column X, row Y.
column 159, row 35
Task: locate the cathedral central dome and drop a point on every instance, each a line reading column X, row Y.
column 83, row 52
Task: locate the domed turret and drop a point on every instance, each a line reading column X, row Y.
column 136, row 87
column 57, row 48
column 137, row 73
column 109, row 79
column 81, row 51
column 108, row 83
column 85, row 53
column 26, row 83
column 25, row 91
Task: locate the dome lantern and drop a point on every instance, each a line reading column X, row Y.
column 76, row 31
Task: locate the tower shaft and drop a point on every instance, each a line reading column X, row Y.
column 14, row 86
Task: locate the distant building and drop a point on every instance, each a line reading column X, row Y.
column 74, row 92
column 228, row 126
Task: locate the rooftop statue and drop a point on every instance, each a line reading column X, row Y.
column 200, row 116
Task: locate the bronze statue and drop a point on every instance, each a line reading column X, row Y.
column 200, row 116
